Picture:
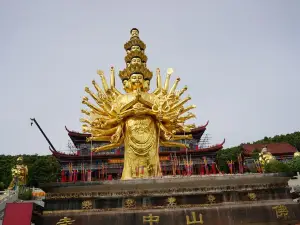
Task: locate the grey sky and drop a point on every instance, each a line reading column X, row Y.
column 240, row 60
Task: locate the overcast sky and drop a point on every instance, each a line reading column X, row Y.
column 240, row 60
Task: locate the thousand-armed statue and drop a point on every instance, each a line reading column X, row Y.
column 139, row 119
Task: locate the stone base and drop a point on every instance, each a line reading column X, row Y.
column 231, row 214
column 227, row 199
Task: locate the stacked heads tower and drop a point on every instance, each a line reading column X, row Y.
column 136, row 64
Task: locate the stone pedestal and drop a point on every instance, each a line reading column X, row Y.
column 218, row 199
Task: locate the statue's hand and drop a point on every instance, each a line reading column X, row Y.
column 138, row 95
column 115, row 138
column 140, row 111
column 89, row 139
column 159, row 116
column 120, row 117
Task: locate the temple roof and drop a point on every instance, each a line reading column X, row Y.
column 77, row 137
column 274, row 148
column 64, row 156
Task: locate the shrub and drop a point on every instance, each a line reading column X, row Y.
column 25, row 194
column 275, row 166
column 294, row 164
column 1, row 186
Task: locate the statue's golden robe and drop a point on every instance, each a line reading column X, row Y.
column 141, row 148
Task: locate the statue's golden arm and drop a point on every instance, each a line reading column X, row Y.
column 118, row 134
column 166, row 133
column 144, row 111
column 184, row 110
column 94, row 108
column 180, row 104
column 129, row 105
column 98, row 138
column 181, row 137
column 158, row 82
column 104, row 132
column 109, row 123
column 184, row 118
column 145, row 101
column 109, row 146
column 172, row 144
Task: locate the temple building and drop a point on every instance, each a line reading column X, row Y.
column 109, row 164
column 281, row 151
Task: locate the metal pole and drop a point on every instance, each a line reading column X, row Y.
column 45, row 136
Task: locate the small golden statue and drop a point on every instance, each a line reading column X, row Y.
column 140, row 120
column 265, row 157
column 19, row 174
column 296, row 154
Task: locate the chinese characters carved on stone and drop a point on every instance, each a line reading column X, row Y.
column 150, row 219
column 194, row 219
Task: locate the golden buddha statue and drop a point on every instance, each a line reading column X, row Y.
column 265, row 157
column 19, row 174
column 140, row 120
column 296, row 154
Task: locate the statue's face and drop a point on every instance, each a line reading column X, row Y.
column 135, row 48
column 136, row 61
column 134, row 33
column 146, row 86
column 137, row 81
column 127, row 86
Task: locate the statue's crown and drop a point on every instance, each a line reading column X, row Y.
column 135, row 48
column 135, row 69
column 136, row 54
column 134, row 40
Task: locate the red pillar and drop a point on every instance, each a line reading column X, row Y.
column 213, row 168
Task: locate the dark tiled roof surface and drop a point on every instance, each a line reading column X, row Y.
column 274, row 148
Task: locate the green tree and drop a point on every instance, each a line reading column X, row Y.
column 292, row 139
column 45, row 169
column 1, row 186
column 40, row 168
column 276, row 166
column 255, row 154
column 228, row 154
column 294, row 164
column 25, row 194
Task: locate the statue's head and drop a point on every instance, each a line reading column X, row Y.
column 135, row 48
column 127, row 86
column 134, row 32
column 20, row 160
column 264, row 149
column 137, row 81
column 136, row 60
column 136, row 75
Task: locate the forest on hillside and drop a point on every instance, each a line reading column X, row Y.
column 43, row 169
